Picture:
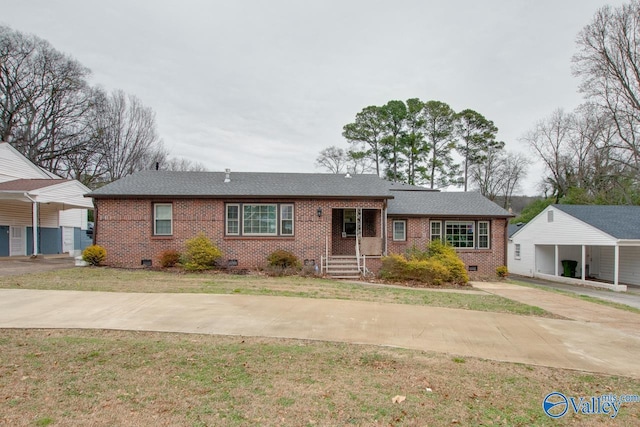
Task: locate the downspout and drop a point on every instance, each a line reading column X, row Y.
column 384, row 226
column 34, row 220
column 506, row 242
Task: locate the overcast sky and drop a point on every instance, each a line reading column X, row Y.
column 265, row 85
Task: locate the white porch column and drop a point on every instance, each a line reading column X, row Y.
column 34, row 216
column 555, row 259
column 584, row 262
column 616, row 264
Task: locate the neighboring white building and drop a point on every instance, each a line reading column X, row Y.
column 34, row 199
column 602, row 241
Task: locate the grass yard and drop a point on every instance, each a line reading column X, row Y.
column 119, row 280
column 107, row 378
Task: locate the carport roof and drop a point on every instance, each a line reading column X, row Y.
column 29, row 184
column 621, row 222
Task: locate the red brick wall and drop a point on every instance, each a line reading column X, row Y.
column 487, row 260
column 124, row 228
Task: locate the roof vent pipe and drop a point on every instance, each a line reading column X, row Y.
column 227, row 175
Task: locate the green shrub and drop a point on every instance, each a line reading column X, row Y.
column 447, row 255
column 502, row 271
column 437, row 264
column 169, row 258
column 283, row 259
column 94, row 254
column 200, row 254
column 393, row 267
column 430, row 271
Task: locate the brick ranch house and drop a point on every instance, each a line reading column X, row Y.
column 343, row 224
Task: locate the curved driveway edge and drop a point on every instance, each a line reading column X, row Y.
column 505, row 337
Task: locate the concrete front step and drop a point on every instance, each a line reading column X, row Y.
column 342, row 267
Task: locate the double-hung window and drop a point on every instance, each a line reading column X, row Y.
column 233, row 220
column 435, row 230
column 162, row 219
column 399, row 230
column 462, row 234
column 483, row 234
column 286, row 220
column 259, row 219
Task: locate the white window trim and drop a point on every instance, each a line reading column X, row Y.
column 282, row 219
column 279, row 220
column 477, row 235
column 155, row 219
column 516, row 250
column 404, row 230
column 244, row 233
column 431, row 230
column 226, row 219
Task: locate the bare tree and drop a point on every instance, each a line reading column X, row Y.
column 127, row 131
column 43, row 95
column 513, row 170
column 549, row 140
column 608, row 62
column 333, row 159
column 180, row 164
column 498, row 174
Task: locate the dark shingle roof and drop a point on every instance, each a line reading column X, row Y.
column 513, row 228
column 621, row 222
column 244, row 184
column 404, row 199
column 429, row 203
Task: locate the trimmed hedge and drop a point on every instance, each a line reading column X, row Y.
column 169, row 258
column 284, row 259
column 94, row 254
column 436, row 265
column 200, row 254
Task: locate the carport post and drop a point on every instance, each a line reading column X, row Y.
column 616, row 263
column 584, row 262
column 555, row 258
column 34, row 218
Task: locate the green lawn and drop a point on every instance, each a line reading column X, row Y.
column 105, row 378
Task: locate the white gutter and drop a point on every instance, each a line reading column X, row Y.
column 34, row 216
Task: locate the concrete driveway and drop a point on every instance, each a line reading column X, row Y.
column 583, row 344
column 13, row 266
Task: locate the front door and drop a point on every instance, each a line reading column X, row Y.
column 17, row 241
column 67, row 240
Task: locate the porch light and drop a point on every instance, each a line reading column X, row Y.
column 319, row 212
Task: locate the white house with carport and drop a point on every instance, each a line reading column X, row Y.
column 602, row 243
column 40, row 212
